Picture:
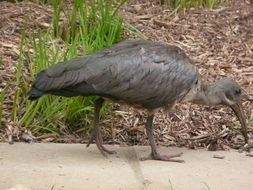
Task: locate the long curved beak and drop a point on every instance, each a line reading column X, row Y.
column 237, row 108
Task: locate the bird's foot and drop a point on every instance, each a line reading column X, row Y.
column 96, row 136
column 165, row 157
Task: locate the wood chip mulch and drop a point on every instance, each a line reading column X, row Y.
column 219, row 41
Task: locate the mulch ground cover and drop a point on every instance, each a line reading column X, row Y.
column 219, row 41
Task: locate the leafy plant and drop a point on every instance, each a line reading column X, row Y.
column 91, row 25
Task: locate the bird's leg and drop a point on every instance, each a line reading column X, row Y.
column 96, row 135
column 154, row 154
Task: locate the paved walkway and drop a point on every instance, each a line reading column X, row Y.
column 75, row 167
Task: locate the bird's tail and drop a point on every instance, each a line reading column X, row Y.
column 35, row 94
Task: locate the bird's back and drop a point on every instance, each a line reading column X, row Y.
column 138, row 72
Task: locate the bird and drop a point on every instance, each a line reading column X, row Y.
column 143, row 74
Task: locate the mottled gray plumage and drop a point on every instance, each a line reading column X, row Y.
column 140, row 73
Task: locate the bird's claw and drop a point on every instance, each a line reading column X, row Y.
column 165, row 157
column 99, row 142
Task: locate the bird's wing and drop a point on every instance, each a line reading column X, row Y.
column 141, row 72
column 75, row 71
column 149, row 74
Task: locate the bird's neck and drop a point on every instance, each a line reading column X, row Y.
column 202, row 93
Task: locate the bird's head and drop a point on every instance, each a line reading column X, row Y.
column 223, row 92
column 228, row 92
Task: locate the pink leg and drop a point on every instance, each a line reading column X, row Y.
column 96, row 135
column 154, row 154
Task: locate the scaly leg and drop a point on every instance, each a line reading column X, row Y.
column 96, row 135
column 154, row 154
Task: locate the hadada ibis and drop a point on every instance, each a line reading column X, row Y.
column 143, row 74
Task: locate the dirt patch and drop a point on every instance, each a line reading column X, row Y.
column 219, row 41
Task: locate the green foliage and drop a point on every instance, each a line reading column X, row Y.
column 181, row 4
column 91, row 25
column 94, row 20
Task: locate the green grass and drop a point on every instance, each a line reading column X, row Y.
column 91, row 26
column 184, row 4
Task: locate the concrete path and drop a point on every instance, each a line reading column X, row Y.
column 75, row 167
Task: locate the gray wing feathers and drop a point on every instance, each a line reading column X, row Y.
column 152, row 76
column 142, row 72
column 64, row 74
column 68, row 78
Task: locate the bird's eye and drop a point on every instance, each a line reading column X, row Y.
column 238, row 91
